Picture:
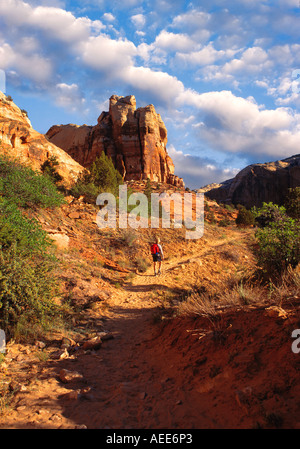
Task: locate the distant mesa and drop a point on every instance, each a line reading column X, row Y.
column 258, row 183
column 135, row 140
column 19, row 140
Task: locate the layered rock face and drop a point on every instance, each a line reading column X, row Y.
column 135, row 140
column 259, row 183
column 19, row 140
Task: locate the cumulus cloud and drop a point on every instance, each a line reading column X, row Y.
column 106, row 54
column 34, row 66
column 53, row 21
column 237, row 125
column 138, row 20
column 109, row 17
column 69, row 96
column 204, row 56
column 173, row 41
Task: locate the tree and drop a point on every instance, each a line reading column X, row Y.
column 245, row 217
column 102, row 177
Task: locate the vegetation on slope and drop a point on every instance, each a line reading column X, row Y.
column 26, row 257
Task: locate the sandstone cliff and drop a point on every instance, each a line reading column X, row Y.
column 135, row 139
column 19, row 140
column 258, row 183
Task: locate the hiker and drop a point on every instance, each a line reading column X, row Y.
column 157, row 255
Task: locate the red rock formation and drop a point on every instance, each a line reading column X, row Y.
column 135, row 139
column 19, row 140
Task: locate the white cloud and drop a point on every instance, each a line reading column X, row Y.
column 206, row 55
column 109, row 17
column 159, row 84
column 55, row 22
column 253, row 60
column 173, row 41
column 69, row 96
column 34, row 66
column 138, row 20
column 192, row 20
column 104, row 53
column 237, row 125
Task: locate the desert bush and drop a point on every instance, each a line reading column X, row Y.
column 49, row 168
column 245, row 217
column 21, row 185
column 224, row 222
column 268, row 213
column 27, row 284
column 279, row 245
column 292, row 203
column 26, row 290
column 142, row 264
column 27, row 235
column 129, row 237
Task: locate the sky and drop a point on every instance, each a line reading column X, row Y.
column 222, row 74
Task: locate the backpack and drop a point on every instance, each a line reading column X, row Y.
column 155, row 249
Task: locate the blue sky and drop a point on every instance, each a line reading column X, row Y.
column 220, row 73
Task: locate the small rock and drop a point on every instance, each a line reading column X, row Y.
column 80, row 426
column 276, row 312
column 21, row 408
column 105, row 336
column 67, row 342
column 67, row 376
column 93, row 343
column 71, row 395
column 74, row 215
column 64, row 354
column 40, row 344
column 61, row 240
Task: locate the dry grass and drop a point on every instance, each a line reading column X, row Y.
column 239, row 294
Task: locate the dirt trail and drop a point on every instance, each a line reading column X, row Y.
column 122, row 385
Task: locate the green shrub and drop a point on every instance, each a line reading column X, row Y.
column 279, row 245
column 27, row 284
column 26, row 290
column 292, row 203
column 27, row 235
column 26, row 188
column 245, row 217
column 49, row 168
column 101, row 177
column 268, row 213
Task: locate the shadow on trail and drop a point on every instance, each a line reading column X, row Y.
column 114, row 380
column 145, row 287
